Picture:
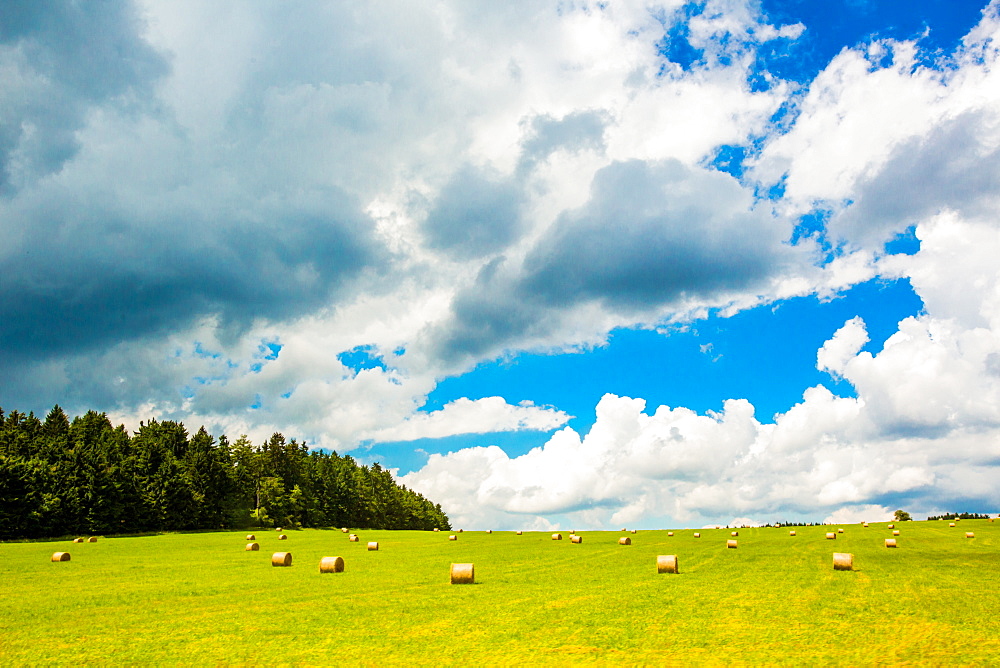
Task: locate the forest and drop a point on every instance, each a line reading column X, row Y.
column 86, row 476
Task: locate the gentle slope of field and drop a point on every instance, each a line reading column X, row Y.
column 200, row 598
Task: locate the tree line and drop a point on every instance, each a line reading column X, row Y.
column 60, row 477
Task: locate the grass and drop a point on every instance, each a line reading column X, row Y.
column 201, row 599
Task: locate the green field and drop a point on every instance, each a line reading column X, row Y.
column 200, row 598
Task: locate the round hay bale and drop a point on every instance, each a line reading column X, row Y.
column 282, row 537
column 697, row 535
column 951, row 524
column 518, row 533
column 92, row 539
column 624, row 529
column 557, row 536
column 791, row 533
column 251, row 547
column 731, row 544
column 278, row 529
column 670, row 533
column 633, row 530
column 667, row 563
column 489, row 531
column 624, row 540
column 891, row 526
column 864, row 524
column 331, row 565
column 895, row 532
column 831, row 536
column 840, row 531
column 281, row 559
column 77, row 540
column 969, row 534
column 843, row 561
column 890, row 542
column 250, row 536
column 373, row 546
column 346, row 530
column 453, row 537
column 353, row 538
column 60, row 556
column 461, row 530
column 576, row 539
column 463, row 574
column 734, row 533
column 436, row 529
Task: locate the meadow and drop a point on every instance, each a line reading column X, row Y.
column 200, row 598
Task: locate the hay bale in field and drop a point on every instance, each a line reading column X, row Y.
column 331, row 565
column 436, row 529
column 840, row 531
column 670, row 533
column 250, row 536
column 60, row 556
column 278, row 529
column 667, row 563
column 373, row 546
column 731, row 544
column 281, row 559
column 891, row 526
column 633, row 530
column 518, row 533
column 461, row 530
column 969, row 534
column 463, row 574
column 734, row 533
column 557, row 536
column 843, row 561
column 624, row 529
column 890, row 542
column 576, row 539
column 624, row 540
column 346, row 530
column 251, row 547
column 951, row 524
column 895, row 532
column 864, row 524
column 791, row 533
column 282, row 537
column 489, row 531
column 831, row 536
column 92, row 539
column 354, row 538
column 697, row 535
column 453, row 537
column 77, row 540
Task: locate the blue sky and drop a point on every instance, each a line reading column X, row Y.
column 591, row 263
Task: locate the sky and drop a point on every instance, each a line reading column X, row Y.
column 553, row 262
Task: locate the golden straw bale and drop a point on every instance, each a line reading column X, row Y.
column 831, row 536
column 864, row 524
column 895, row 532
column 92, row 539
column 951, row 524
column 670, row 533
column 353, row 539
column 282, row 537
column 734, row 533
column 576, row 539
column 891, row 526
column 77, row 540
column 518, row 533
column 278, row 529
column 463, row 574
column 281, row 559
column 890, row 542
column 840, row 531
column 697, row 535
column 461, row 530
column 251, row 547
column 557, row 536
column 250, row 536
column 791, row 533
column 667, row 563
column 60, row 556
column 373, row 546
column 843, row 561
column 624, row 529
column 331, row 565
column 731, row 544
column 489, row 531
column 969, row 534
column 633, row 530
column 453, row 537
column 624, row 540
column 436, row 529
column 346, row 530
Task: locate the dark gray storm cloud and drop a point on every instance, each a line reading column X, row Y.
column 57, row 60
column 652, row 235
column 949, row 168
column 476, row 214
